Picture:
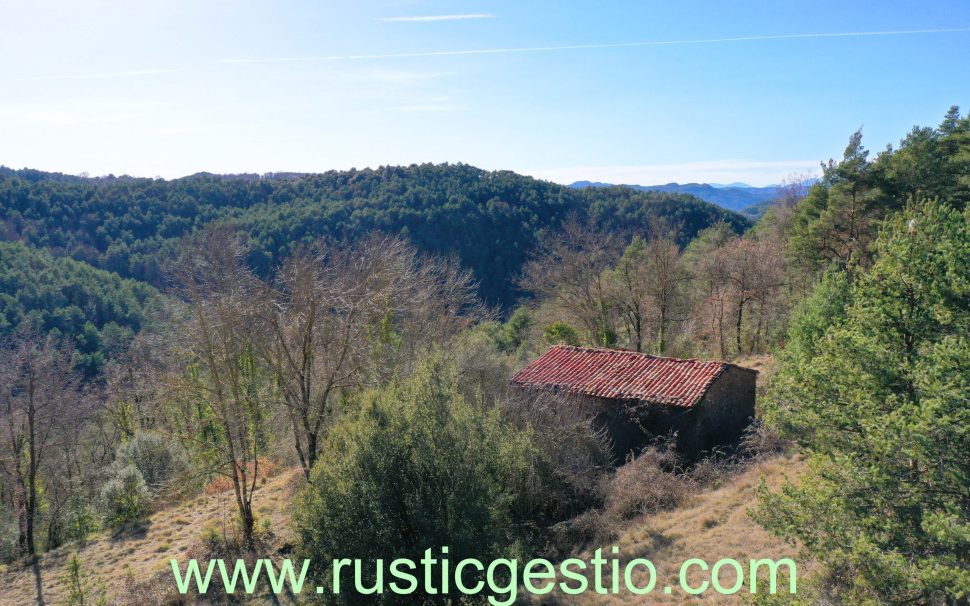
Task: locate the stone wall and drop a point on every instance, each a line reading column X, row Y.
column 718, row 420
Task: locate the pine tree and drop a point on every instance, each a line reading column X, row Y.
column 879, row 400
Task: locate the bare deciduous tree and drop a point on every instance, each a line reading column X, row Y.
column 568, row 270
column 708, row 267
column 631, row 286
column 40, row 398
column 574, row 449
column 340, row 315
column 754, row 274
column 227, row 393
column 648, row 281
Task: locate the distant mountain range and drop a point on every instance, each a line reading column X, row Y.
column 733, row 196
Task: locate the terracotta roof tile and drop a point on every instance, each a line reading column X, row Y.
column 624, row 375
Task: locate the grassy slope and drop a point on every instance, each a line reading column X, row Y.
column 713, row 525
column 170, row 534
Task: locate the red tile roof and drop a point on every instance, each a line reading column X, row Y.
column 623, row 375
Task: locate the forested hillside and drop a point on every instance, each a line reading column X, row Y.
column 98, row 310
column 490, row 220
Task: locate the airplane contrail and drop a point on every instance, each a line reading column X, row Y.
column 495, row 51
column 542, row 49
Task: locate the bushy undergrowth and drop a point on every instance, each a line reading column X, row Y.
column 146, row 466
column 656, row 480
column 647, row 484
column 8, row 535
column 159, row 460
column 125, row 498
column 418, row 467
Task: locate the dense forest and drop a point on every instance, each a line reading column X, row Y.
column 98, row 310
column 344, row 326
column 489, row 220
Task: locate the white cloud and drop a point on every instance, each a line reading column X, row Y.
column 425, row 18
column 111, row 75
column 398, row 76
column 74, row 112
column 197, row 129
column 429, row 107
column 753, row 172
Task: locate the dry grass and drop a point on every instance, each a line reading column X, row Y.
column 647, row 484
column 712, row 525
column 765, row 364
column 709, row 523
column 145, row 551
column 224, row 483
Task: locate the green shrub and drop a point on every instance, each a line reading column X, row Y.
column 83, row 588
column 125, row 497
column 81, row 519
column 560, row 333
column 158, row 459
column 417, row 467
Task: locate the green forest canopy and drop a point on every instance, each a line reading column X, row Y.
column 98, row 309
column 489, row 220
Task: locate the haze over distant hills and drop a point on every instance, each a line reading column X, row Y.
column 738, row 197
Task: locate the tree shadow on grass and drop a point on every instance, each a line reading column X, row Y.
column 133, row 531
column 38, row 581
column 652, row 544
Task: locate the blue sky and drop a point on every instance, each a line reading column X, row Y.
column 634, row 92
